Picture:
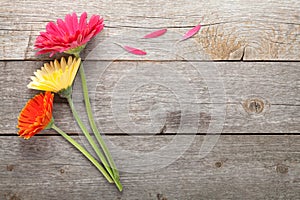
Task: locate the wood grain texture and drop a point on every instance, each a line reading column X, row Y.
column 232, row 29
column 239, row 167
column 139, row 102
column 160, row 97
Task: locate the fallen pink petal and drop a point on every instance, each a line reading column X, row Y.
column 191, row 32
column 133, row 50
column 155, row 34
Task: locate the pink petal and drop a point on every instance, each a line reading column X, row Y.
column 75, row 22
column 155, row 34
column 191, row 32
column 62, row 25
column 53, row 29
column 69, row 23
column 82, row 21
column 94, row 20
column 133, row 50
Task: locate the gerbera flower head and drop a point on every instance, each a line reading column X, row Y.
column 55, row 76
column 36, row 115
column 69, row 35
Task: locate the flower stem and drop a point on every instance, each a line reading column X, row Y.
column 84, row 152
column 93, row 124
column 87, row 135
column 92, row 143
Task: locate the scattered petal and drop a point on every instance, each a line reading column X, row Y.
column 191, row 32
column 133, row 50
column 155, row 34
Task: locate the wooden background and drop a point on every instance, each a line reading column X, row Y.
column 256, row 51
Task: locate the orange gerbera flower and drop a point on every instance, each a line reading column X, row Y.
column 36, row 115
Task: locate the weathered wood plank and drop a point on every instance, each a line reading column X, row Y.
column 233, row 29
column 276, row 82
column 238, row 167
column 279, row 119
column 132, row 97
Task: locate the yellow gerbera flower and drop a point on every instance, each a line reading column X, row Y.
column 55, row 76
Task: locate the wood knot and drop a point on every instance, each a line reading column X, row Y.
column 218, row 164
column 12, row 196
column 282, row 169
column 255, row 106
column 62, row 171
column 10, row 167
column 161, row 197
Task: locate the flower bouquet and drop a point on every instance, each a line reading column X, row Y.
column 70, row 36
column 66, row 36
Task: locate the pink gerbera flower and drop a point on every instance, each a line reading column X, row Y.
column 69, row 36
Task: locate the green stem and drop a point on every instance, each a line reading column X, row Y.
column 84, row 152
column 93, row 124
column 88, row 136
column 92, row 143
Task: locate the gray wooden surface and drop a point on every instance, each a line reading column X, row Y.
column 274, row 84
column 239, row 167
column 267, row 30
column 250, row 94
